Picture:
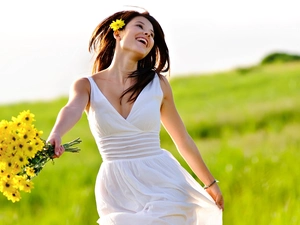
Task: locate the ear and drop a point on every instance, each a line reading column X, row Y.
column 117, row 35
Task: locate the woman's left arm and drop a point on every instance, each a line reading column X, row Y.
column 174, row 125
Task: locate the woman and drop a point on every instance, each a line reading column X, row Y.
column 125, row 100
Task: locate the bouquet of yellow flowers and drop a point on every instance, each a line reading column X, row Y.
column 23, row 154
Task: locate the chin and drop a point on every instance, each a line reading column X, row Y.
column 141, row 55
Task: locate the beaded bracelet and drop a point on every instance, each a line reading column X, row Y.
column 212, row 183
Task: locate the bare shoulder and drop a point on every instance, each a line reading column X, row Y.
column 79, row 93
column 83, row 81
column 165, row 86
column 81, row 84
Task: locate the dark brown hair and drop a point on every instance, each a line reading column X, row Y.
column 102, row 43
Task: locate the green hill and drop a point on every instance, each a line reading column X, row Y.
column 246, row 127
column 280, row 57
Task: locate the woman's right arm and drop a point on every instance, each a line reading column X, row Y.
column 70, row 114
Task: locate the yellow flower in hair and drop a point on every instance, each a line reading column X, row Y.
column 116, row 25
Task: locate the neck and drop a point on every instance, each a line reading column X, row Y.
column 121, row 66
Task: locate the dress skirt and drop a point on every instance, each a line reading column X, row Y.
column 152, row 190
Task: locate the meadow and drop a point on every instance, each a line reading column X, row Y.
column 246, row 124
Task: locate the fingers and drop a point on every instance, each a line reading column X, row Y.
column 59, row 150
column 216, row 194
column 220, row 202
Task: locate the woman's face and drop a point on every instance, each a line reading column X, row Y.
column 137, row 37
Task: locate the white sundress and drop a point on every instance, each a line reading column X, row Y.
column 138, row 182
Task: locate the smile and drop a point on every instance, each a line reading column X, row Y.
column 142, row 40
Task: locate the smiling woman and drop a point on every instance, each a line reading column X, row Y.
column 126, row 99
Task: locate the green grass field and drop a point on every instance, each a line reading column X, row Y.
column 246, row 125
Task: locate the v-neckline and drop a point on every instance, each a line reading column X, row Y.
column 113, row 108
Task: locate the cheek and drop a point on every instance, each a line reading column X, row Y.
column 151, row 44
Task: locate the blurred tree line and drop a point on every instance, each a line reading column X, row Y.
column 272, row 58
column 279, row 57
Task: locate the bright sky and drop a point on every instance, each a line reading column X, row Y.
column 43, row 44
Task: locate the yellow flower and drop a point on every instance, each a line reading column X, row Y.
column 21, row 159
column 12, row 138
column 26, row 186
column 30, row 150
column 3, row 150
column 23, row 154
column 38, row 133
column 4, row 172
column 16, row 123
column 30, row 171
column 26, row 133
column 38, row 143
column 23, row 183
column 9, row 164
column 13, row 195
column 7, row 186
column 116, row 25
column 5, row 127
column 26, row 117
column 10, row 151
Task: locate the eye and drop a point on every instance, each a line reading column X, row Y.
column 140, row 26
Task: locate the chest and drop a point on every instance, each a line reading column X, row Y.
column 112, row 93
column 143, row 114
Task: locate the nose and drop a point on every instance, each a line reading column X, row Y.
column 147, row 33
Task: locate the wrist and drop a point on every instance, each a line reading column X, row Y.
column 55, row 134
column 211, row 184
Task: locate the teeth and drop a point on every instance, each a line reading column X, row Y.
column 143, row 40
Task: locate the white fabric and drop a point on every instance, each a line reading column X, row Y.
column 138, row 182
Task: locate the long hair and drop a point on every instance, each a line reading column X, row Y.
column 102, row 43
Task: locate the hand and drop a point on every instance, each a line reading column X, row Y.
column 55, row 140
column 215, row 192
column 59, row 152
